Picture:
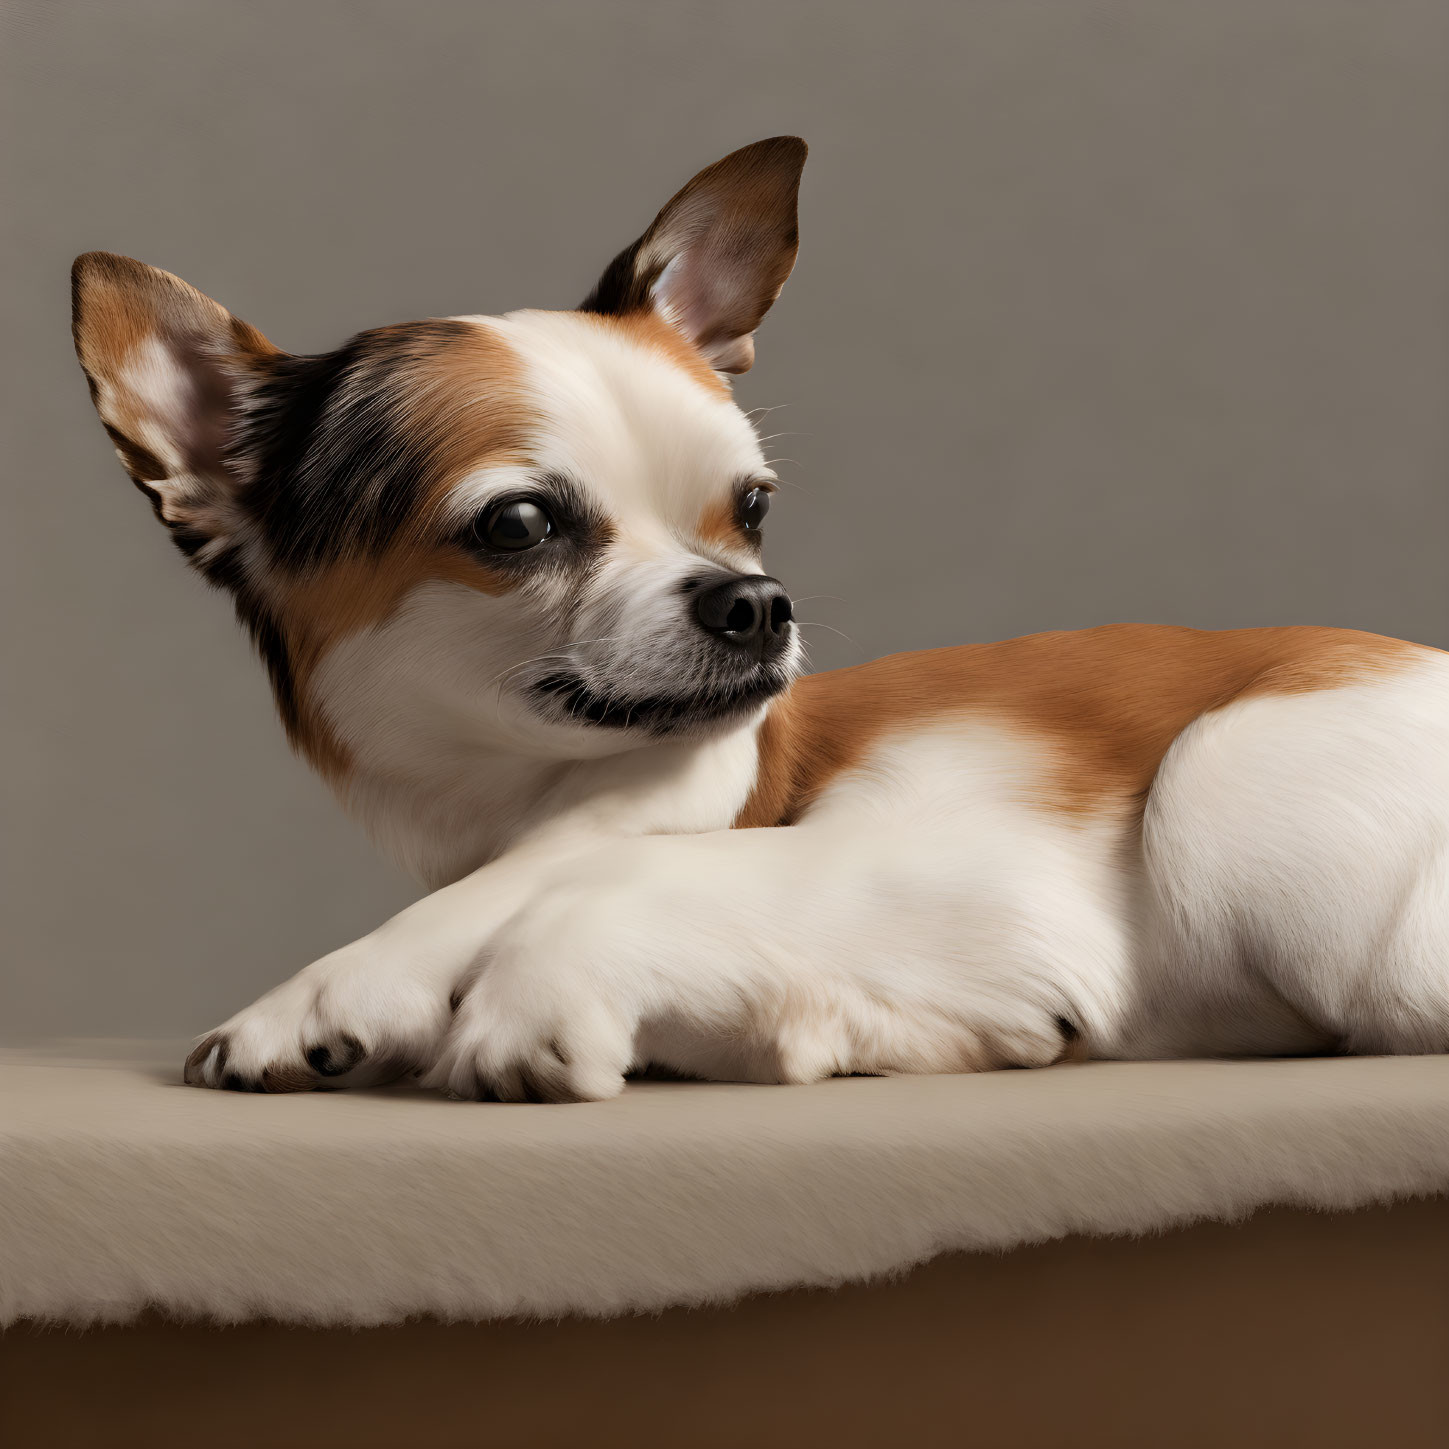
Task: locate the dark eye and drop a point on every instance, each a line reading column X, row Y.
column 753, row 508
column 516, row 526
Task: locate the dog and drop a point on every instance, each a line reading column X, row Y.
column 505, row 574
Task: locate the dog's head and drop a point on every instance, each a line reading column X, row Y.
column 537, row 532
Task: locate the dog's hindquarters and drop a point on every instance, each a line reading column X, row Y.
column 1294, row 854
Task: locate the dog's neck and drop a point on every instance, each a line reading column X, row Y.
column 467, row 805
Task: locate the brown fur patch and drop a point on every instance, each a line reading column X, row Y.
column 120, row 302
column 719, row 524
column 319, row 612
column 465, row 410
column 1110, row 701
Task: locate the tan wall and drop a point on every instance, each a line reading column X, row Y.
column 1107, row 309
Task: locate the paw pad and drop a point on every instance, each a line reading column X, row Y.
column 336, row 1059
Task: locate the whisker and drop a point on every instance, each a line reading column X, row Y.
column 816, row 624
column 504, row 675
column 561, row 653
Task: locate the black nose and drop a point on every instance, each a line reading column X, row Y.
column 752, row 610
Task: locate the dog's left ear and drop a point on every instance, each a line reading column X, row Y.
column 717, row 255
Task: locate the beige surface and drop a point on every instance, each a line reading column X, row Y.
column 1105, row 309
column 120, row 1188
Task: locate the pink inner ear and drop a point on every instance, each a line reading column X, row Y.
column 712, row 300
column 689, row 296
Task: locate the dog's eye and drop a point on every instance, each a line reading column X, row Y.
column 516, row 526
column 753, row 508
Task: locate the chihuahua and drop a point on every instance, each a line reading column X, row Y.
column 505, row 574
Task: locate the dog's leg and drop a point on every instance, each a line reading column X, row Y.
column 776, row 955
column 379, row 1008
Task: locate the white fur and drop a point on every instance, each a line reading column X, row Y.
column 902, row 926
column 1295, row 845
column 628, row 420
column 926, row 916
column 1287, row 891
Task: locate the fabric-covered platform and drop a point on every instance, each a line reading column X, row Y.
column 122, row 1190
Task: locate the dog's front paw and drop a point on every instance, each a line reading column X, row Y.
column 535, row 1026
column 350, row 1019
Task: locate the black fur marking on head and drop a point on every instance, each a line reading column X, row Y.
column 225, row 571
column 325, row 465
column 335, row 469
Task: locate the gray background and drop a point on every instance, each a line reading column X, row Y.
column 1106, row 309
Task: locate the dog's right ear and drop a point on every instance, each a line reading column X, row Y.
column 168, row 370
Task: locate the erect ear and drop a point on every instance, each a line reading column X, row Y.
column 717, row 255
column 168, row 369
